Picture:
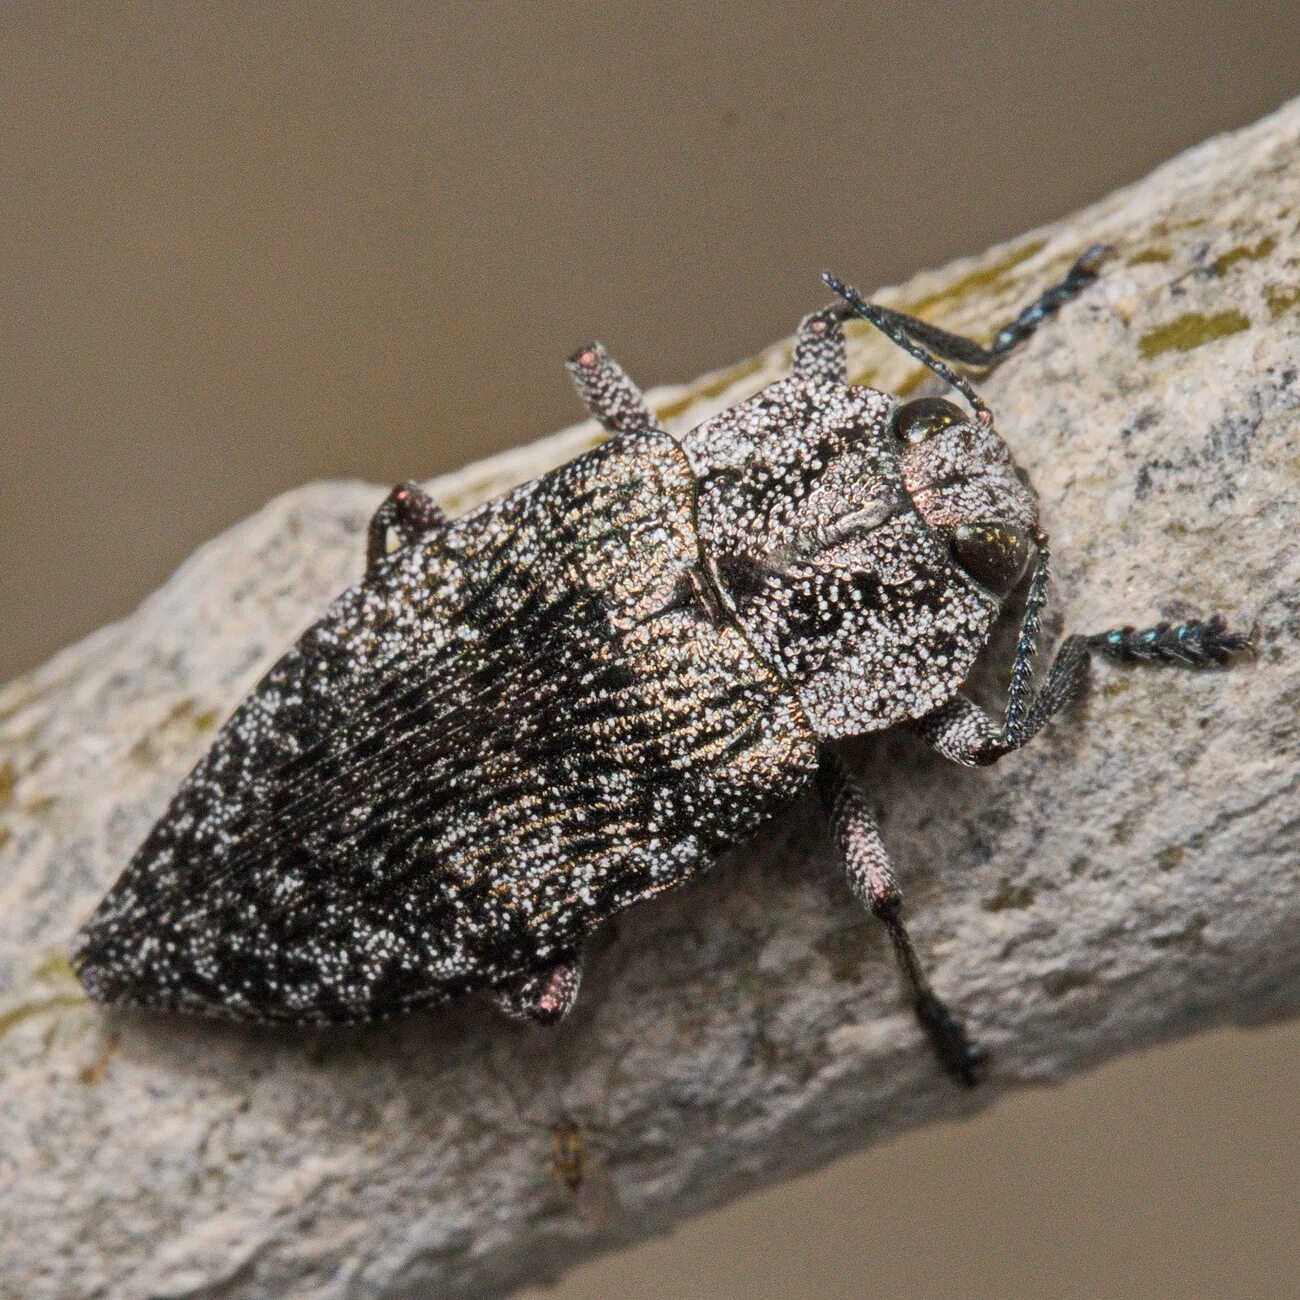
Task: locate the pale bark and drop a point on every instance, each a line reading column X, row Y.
column 1128, row 878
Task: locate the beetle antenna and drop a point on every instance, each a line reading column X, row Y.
column 884, row 321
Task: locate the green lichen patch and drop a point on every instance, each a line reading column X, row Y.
column 1281, row 298
column 711, row 388
column 206, row 721
column 55, row 982
column 1146, row 256
column 26, row 1010
column 1163, row 229
column 908, row 386
column 1243, row 253
column 55, row 969
column 183, row 717
column 982, row 278
column 8, row 781
column 1191, row 330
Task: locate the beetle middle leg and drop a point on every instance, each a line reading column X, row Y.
column 873, row 881
column 410, row 512
column 609, row 394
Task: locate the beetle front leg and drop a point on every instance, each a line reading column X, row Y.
column 967, row 351
column 873, row 881
column 609, row 394
column 962, row 731
column 819, row 347
column 410, row 512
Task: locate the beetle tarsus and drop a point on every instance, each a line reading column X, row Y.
column 1083, row 273
column 960, row 1057
column 1196, row 643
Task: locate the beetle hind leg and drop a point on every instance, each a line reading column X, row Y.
column 543, row 998
column 410, row 512
column 873, row 881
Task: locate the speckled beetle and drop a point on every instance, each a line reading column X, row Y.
column 573, row 698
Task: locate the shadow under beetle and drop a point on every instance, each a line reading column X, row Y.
column 576, row 696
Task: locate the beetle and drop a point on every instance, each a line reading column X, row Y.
column 573, row 698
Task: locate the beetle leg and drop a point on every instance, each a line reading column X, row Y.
column 819, row 347
column 968, row 352
column 609, row 394
column 1194, row 644
column 965, row 733
column 873, row 881
column 1083, row 273
column 962, row 731
column 544, row 998
column 410, row 512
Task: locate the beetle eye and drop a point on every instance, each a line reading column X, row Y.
column 993, row 555
column 916, row 421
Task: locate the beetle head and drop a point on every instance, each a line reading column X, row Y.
column 957, row 470
column 864, row 547
column 965, row 485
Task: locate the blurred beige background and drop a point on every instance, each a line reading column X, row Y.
column 251, row 245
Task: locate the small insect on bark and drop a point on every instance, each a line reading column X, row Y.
column 524, row 720
column 569, row 1157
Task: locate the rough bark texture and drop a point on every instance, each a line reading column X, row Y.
column 1128, row 878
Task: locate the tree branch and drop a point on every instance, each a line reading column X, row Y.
column 1128, row 878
